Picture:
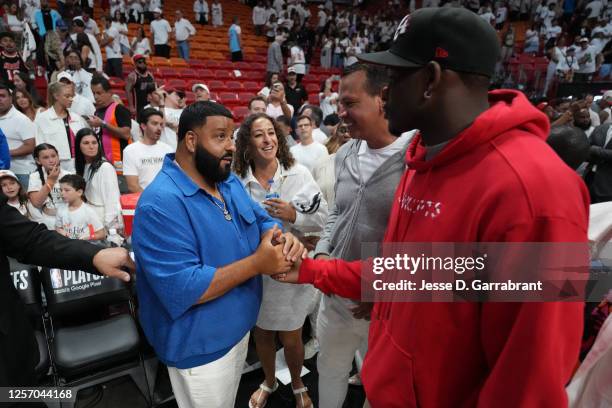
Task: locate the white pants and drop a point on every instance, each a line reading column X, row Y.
column 340, row 336
column 211, row 385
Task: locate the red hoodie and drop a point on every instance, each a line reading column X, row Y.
column 497, row 181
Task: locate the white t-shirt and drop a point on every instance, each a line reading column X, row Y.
column 319, row 136
column 587, row 67
column 183, row 29
column 113, row 49
column 488, row 17
column 553, row 32
column 328, row 104
column 309, row 155
column 142, row 47
column 371, row 159
column 35, row 184
column 79, row 223
column 144, row 161
column 17, row 128
column 298, row 61
column 595, row 7
column 160, row 29
column 276, row 111
column 322, row 18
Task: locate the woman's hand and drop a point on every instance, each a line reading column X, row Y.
column 280, row 209
column 53, row 175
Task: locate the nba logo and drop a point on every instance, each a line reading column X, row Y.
column 56, row 278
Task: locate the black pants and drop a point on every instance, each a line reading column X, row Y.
column 162, row 50
column 114, row 67
column 236, row 56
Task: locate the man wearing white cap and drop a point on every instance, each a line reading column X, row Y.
column 160, row 29
column 201, row 91
column 80, row 105
column 587, row 57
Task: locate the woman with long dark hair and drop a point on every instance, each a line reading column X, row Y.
column 102, row 190
column 288, row 192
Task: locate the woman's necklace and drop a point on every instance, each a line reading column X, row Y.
column 223, row 208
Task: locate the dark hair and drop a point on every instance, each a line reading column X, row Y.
column 242, row 157
column 83, row 39
column 302, row 117
column 5, row 34
column 317, row 114
column 22, row 196
column 256, row 98
column 376, row 77
column 269, row 76
column 4, row 86
column 79, row 23
column 79, row 158
column 39, row 167
column 284, row 120
column 98, row 79
column 195, row 115
column 75, row 181
column 145, row 114
column 570, row 143
column 71, row 50
column 331, row 120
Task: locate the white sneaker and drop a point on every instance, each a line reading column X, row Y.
column 311, row 348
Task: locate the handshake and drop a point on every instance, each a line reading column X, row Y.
column 279, row 255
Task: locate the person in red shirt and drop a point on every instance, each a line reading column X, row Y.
column 478, row 171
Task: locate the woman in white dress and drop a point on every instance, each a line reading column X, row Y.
column 102, row 188
column 289, row 193
column 328, row 99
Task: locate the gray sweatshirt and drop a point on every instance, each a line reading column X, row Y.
column 361, row 211
column 275, row 58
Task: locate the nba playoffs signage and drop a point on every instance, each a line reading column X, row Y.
column 65, row 285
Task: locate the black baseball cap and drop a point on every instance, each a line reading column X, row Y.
column 456, row 38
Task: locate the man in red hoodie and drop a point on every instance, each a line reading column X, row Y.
column 480, row 171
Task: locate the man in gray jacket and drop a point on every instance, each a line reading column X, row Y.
column 368, row 169
column 275, row 54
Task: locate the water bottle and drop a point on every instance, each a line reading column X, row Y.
column 271, row 192
column 115, row 229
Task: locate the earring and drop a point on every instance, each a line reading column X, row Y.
column 427, row 94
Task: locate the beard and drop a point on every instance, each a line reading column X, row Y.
column 209, row 166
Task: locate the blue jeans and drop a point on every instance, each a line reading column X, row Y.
column 183, row 49
column 338, row 61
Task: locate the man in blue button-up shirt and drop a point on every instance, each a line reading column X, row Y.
column 200, row 244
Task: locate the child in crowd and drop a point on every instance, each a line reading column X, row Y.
column 12, row 189
column 76, row 219
column 43, row 189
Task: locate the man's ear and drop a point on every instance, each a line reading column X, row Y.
column 191, row 141
column 433, row 78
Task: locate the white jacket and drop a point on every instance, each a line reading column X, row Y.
column 50, row 129
column 297, row 186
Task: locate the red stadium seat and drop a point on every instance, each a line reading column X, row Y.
column 251, row 86
column 116, row 83
column 228, row 98
column 217, row 86
column 240, row 113
column 188, row 73
column 227, row 65
column 234, row 86
column 245, row 97
column 223, row 74
column 312, row 88
column 206, row 74
column 176, row 83
column 211, row 64
column 313, row 99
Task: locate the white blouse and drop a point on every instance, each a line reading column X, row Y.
column 102, row 192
